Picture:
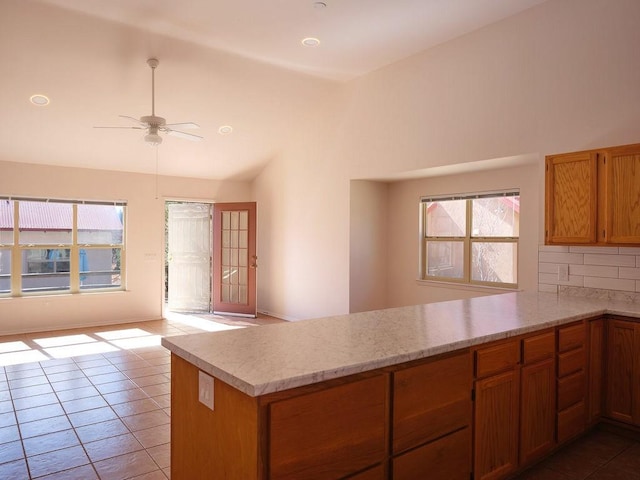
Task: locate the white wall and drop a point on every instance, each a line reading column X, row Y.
column 143, row 297
column 560, row 77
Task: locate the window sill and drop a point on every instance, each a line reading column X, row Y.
column 465, row 286
column 62, row 294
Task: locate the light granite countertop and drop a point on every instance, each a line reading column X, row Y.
column 271, row 358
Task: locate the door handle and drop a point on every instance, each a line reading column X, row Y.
column 254, row 263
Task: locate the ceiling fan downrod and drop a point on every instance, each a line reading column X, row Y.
column 153, row 63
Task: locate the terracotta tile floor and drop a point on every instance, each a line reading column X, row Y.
column 600, row 455
column 95, row 404
column 92, row 403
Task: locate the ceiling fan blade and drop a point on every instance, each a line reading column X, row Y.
column 134, row 120
column 126, row 128
column 186, row 125
column 187, row 136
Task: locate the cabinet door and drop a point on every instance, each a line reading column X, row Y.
column 330, row 433
column 537, row 411
column 622, row 167
column 622, row 371
column 496, row 425
column 596, row 370
column 571, row 198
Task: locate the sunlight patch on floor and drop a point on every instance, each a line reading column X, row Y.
column 201, row 323
column 25, row 356
column 64, row 340
column 13, row 347
column 80, row 349
column 122, row 333
column 138, row 342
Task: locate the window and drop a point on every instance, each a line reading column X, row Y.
column 59, row 245
column 471, row 238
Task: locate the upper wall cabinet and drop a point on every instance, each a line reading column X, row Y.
column 593, row 197
column 622, row 171
column 571, row 198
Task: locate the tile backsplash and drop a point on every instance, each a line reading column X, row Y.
column 603, row 272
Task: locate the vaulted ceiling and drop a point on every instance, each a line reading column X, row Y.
column 239, row 63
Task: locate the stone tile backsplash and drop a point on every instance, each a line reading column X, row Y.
column 602, row 272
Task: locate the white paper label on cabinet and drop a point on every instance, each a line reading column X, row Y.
column 205, row 389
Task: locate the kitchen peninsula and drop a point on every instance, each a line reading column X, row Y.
column 391, row 393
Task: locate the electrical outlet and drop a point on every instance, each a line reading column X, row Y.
column 205, row 389
column 563, row 273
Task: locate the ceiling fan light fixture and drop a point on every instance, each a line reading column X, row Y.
column 153, row 139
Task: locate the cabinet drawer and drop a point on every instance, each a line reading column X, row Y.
column 571, row 361
column 538, row 348
column 446, row 458
column 431, row 400
column 307, row 433
column 571, row 422
column 496, row 359
column 571, row 390
column 571, row 337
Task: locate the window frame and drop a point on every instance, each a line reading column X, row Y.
column 17, row 251
column 468, row 240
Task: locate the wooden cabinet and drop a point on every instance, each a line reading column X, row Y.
column 623, row 371
column 537, row 397
column 443, row 459
column 596, row 370
column 571, row 381
column 593, row 197
column 514, row 404
column 496, row 410
column 496, row 425
column 432, row 411
column 622, row 171
column 330, row 433
column 327, row 431
column 571, row 198
column 491, row 410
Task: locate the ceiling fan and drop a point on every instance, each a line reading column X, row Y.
column 153, row 124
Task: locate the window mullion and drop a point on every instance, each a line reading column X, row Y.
column 467, row 243
column 74, row 254
column 16, row 254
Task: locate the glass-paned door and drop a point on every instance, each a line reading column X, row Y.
column 234, row 259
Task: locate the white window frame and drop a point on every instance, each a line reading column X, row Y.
column 467, row 240
column 16, row 250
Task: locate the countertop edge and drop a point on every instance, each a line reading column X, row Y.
column 257, row 389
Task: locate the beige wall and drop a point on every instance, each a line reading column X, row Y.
column 560, row 77
column 303, row 219
column 370, row 228
column 404, row 243
column 142, row 299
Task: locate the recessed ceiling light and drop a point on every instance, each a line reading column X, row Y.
column 319, row 5
column 225, row 130
column 310, row 42
column 39, row 100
